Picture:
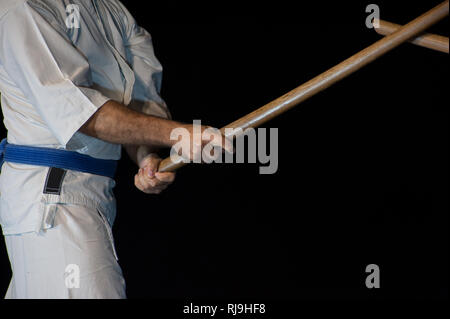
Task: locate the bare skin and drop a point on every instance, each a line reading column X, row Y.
column 141, row 135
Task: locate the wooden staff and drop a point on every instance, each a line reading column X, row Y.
column 328, row 78
column 427, row 40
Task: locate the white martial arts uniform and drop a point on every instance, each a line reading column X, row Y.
column 57, row 67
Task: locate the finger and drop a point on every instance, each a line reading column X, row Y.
column 149, row 172
column 167, row 177
column 147, row 176
column 144, row 178
column 145, row 161
column 143, row 185
column 152, row 160
column 153, row 165
column 137, row 183
column 160, row 180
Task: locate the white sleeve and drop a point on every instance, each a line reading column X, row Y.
column 50, row 71
column 146, row 67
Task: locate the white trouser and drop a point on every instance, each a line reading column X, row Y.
column 74, row 259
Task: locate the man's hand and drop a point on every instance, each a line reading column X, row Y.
column 148, row 179
column 200, row 136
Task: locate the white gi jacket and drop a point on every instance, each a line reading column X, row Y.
column 54, row 74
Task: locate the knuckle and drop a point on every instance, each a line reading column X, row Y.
column 154, row 164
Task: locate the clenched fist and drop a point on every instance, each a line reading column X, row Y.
column 148, row 179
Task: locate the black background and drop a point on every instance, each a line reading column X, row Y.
column 363, row 166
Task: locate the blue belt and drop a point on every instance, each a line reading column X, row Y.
column 58, row 158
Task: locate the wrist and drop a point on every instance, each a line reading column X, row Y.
column 173, row 126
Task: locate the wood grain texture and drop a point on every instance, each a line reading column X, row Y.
column 427, row 40
column 328, row 78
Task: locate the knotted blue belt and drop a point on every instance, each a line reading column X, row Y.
column 58, row 158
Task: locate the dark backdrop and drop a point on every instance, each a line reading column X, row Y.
column 363, row 166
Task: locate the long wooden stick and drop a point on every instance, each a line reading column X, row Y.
column 427, row 40
column 328, row 78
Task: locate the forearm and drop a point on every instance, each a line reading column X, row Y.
column 115, row 123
